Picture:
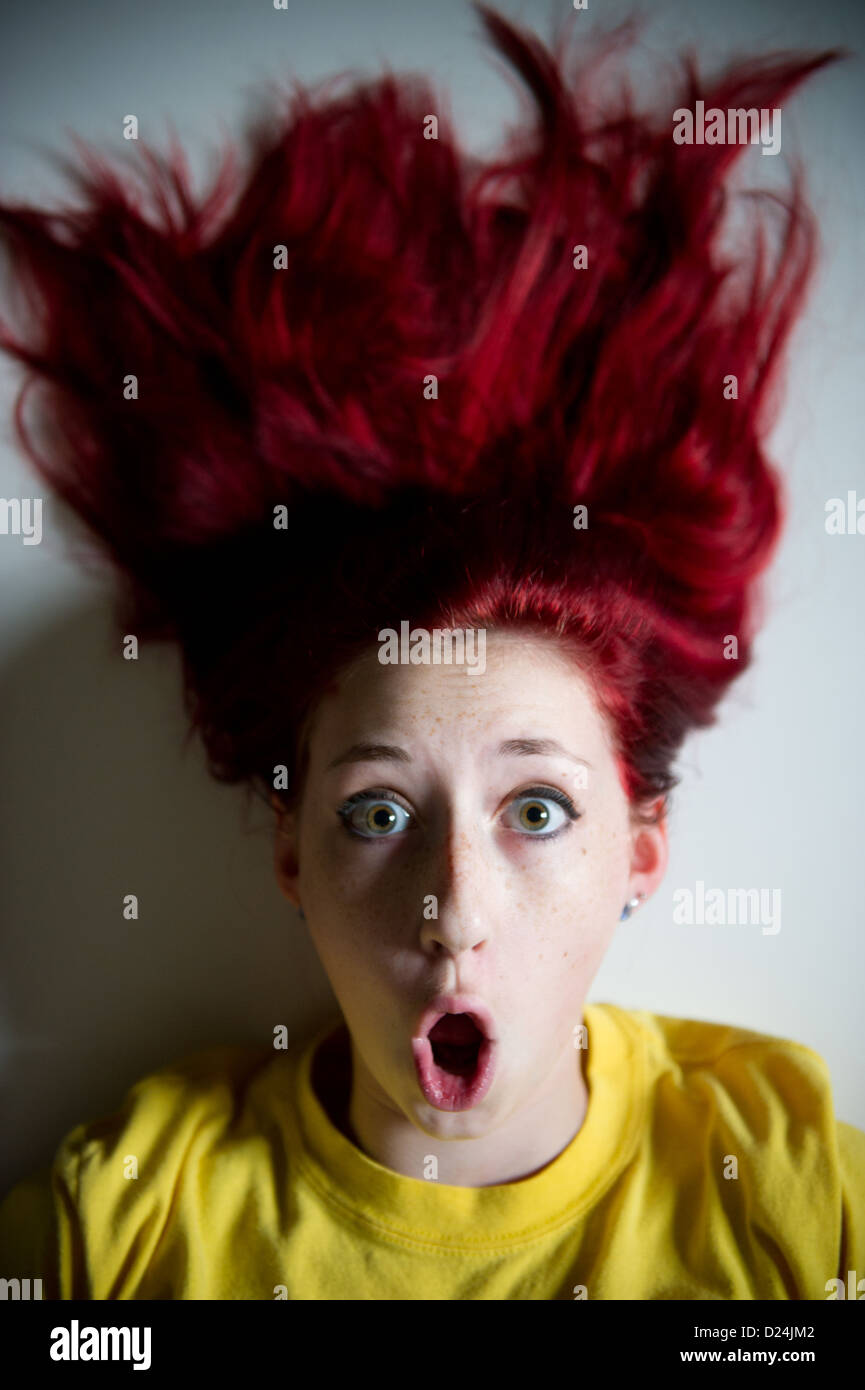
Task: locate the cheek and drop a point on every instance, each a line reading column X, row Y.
column 582, row 878
column 606, row 856
column 331, row 877
column 577, row 896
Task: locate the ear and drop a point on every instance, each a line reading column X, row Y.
column 650, row 853
column 285, row 859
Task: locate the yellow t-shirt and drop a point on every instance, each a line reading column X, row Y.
column 710, row 1165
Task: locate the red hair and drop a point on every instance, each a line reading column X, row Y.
column 303, row 387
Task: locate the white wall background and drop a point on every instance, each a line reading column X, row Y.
column 98, row 798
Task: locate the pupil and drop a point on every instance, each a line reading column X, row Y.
column 536, row 813
column 382, row 817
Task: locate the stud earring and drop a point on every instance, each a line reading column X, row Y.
column 631, row 906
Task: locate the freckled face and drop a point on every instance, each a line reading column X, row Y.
column 525, row 853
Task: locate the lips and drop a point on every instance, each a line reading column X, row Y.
column 454, row 1051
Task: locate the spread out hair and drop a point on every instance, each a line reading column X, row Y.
column 377, row 377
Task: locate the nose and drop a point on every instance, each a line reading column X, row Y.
column 461, row 893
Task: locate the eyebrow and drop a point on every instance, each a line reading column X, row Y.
column 371, row 753
column 534, row 747
column 508, row 748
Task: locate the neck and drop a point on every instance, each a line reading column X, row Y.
column 528, row 1140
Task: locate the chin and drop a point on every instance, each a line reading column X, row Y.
column 453, row 1124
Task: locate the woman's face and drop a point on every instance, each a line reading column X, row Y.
column 463, row 834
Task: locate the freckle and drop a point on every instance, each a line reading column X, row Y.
column 584, row 849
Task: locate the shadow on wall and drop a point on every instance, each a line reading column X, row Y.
column 102, row 800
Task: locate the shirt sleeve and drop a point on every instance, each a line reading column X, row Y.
column 851, row 1159
column 40, row 1237
column 90, row 1224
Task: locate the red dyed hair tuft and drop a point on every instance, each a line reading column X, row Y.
column 303, row 387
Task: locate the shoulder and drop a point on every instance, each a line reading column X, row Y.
column 750, row 1075
column 183, row 1104
column 105, row 1201
column 769, row 1098
column 746, row 1123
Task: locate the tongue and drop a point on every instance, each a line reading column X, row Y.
column 456, row 1030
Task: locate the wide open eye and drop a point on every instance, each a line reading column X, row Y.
column 373, row 817
column 541, row 812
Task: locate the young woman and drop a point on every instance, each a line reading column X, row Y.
column 448, row 479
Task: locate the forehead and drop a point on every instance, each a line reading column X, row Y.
column 530, row 686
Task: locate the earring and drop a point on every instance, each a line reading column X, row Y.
column 301, row 914
column 631, row 906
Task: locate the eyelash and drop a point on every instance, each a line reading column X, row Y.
column 527, row 793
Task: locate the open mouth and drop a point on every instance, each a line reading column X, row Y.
column 456, row 1044
column 454, row 1056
